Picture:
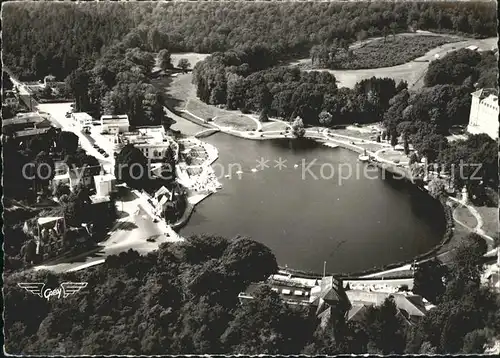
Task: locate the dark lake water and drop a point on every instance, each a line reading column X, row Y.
column 308, row 217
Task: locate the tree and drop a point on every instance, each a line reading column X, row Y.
column 183, row 64
column 385, row 32
column 437, row 188
column 131, row 167
column 78, row 84
column 67, row 142
column 263, row 117
column 44, row 169
column 298, row 129
column 325, row 118
column 165, row 60
column 429, row 280
column 467, row 265
column 394, row 138
column 60, row 190
column 394, row 27
column 413, row 158
column 384, row 328
column 248, row 261
column 266, row 325
column 474, row 342
column 46, row 92
column 153, row 104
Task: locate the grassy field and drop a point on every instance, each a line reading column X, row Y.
column 490, row 219
column 463, row 215
column 179, row 90
column 192, row 57
column 392, row 51
column 238, row 122
column 395, row 156
column 200, row 109
column 412, row 71
column 274, row 126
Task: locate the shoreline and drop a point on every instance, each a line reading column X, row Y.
column 393, row 169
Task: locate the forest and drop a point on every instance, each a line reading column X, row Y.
column 57, row 38
column 183, row 298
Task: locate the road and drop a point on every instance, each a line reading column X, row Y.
column 135, row 224
column 130, row 232
column 57, row 115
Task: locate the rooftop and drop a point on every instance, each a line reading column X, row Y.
column 99, row 199
column 289, row 294
column 104, row 178
column 31, row 132
column 82, row 116
column 9, row 94
column 21, row 118
column 413, row 304
column 486, row 92
column 49, row 219
column 108, row 117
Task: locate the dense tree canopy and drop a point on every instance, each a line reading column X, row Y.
column 463, row 67
column 235, row 79
column 37, row 43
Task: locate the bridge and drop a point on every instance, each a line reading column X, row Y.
column 206, row 133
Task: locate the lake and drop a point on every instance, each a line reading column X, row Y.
column 307, row 213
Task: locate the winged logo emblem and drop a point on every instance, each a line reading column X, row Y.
column 34, row 288
column 70, row 288
column 66, row 289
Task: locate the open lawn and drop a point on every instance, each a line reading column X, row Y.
column 411, row 71
column 236, row 121
column 490, row 219
column 392, row 51
column 362, row 134
column 200, row 109
column 463, row 215
column 274, row 126
column 178, row 89
column 192, row 57
column 394, row 156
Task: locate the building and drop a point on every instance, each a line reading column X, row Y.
column 151, row 141
column 472, row 48
column 410, row 307
column 72, row 177
column 104, row 184
column 50, row 236
column 82, row 120
column 9, row 98
column 484, row 113
column 24, row 121
column 49, row 80
column 331, row 302
column 114, row 124
column 162, row 199
column 326, row 298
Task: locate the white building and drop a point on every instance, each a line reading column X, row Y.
column 152, row 142
column 114, row 124
column 104, row 184
column 82, row 119
column 484, row 113
column 73, row 177
column 9, row 99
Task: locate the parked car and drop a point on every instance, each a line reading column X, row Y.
column 68, row 114
column 96, row 146
column 106, row 155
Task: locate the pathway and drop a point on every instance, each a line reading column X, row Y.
column 479, row 226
